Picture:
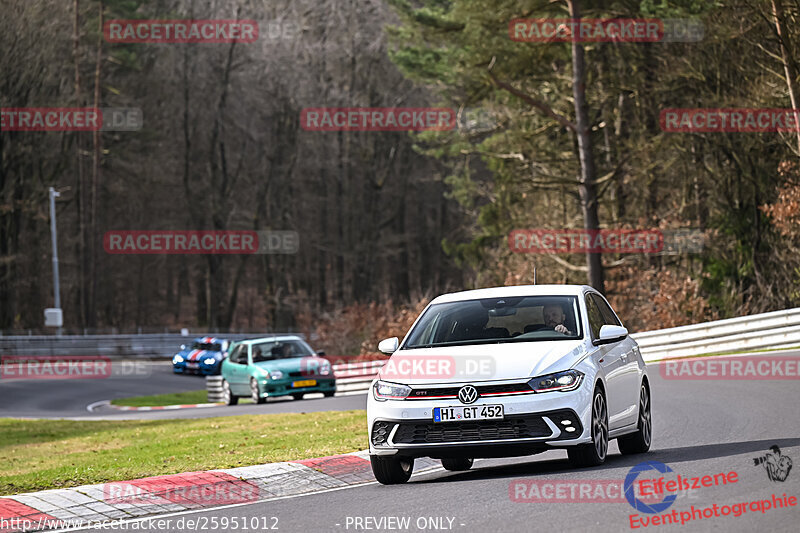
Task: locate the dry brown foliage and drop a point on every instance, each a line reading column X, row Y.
column 644, row 299
column 357, row 329
column 657, row 299
column 785, row 213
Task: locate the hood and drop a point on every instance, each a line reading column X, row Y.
column 284, row 365
column 486, row 362
column 192, row 355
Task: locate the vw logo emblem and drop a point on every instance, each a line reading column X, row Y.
column 467, row 394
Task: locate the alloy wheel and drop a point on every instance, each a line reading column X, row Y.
column 600, row 426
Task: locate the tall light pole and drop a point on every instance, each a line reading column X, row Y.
column 57, row 317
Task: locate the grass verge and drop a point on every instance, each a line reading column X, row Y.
column 176, row 398
column 46, row 454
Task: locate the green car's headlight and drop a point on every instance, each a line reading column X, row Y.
column 276, row 374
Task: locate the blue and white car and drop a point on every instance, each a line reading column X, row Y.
column 204, row 356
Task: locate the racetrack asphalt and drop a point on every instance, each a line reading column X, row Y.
column 702, row 427
column 69, row 398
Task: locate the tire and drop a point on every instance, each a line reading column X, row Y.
column 297, row 396
column 639, row 442
column 457, row 464
column 227, row 397
column 254, row 392
column 329, row 394
column 391, row 470
column 593, row 453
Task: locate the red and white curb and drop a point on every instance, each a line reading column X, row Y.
column 95, row 504
column 107, row 403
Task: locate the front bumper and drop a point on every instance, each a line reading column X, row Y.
column 284, row 387
column 210, row 370
column 531, row 423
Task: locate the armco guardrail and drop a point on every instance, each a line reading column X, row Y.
column 163, row 345
column 356, row 377
column 755, row 332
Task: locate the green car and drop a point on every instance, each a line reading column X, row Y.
column 274, row 366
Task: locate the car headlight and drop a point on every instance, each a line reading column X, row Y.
column 276, row 374
column 383, row 390
column 177, row 359
column 325, row 369
column 209, row 361
column 560, row 381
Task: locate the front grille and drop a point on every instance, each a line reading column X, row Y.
column 481, row 430
column 452, row 392
column 494, row 389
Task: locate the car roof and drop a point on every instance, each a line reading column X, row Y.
column 272, row 338
column 514, row 290
column 208, row 340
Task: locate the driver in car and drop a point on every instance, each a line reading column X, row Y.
column 554, row 317
column 258, row 355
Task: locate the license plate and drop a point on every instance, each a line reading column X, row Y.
column 304, row 383
column 467, row 413
column 192, row 365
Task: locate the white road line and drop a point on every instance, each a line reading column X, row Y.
column 92, row 406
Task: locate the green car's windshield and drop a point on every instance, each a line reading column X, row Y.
column 498, row 320
column 271, row 350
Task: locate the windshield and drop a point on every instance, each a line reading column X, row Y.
column 209, row 347
column 497, row 320
column 271, row 350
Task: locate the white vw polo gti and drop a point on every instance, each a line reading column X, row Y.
column 505, row 372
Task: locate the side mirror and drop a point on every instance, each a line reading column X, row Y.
column 321, row 353
column 389, row 346
column 609, row 334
